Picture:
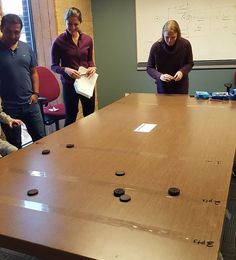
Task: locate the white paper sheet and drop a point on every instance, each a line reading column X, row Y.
column 85, row 85
column 145, row 128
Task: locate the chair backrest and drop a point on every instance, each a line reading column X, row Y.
column 48, row 84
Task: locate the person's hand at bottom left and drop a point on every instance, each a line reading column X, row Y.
column 14, row 122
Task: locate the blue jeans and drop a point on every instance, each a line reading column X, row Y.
column 31, row 115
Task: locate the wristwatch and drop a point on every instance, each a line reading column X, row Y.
column 36, row 93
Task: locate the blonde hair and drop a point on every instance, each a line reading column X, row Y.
column 171, row 26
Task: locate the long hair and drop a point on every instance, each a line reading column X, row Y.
column 171, row 26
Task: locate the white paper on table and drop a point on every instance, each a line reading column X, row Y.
column 145, row 128
column 85, row 85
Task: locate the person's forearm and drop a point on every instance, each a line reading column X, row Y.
column 90, row 57
column 188, row 61
column 186, row 68
column 4, row 118
column 35, row 81
column 151, row 66
column 58, row 69
column 155, row 74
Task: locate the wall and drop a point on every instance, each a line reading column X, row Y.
column 115, row 48
column 200, row 21
column 85, row 8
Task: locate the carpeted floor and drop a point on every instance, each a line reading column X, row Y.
column 6, row 254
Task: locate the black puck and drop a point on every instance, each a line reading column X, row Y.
column 32, row 192
column 125, row 198
column 120, row 173
column 118, row 192
column 46, row 151
column 173, row 191
column 70, row 145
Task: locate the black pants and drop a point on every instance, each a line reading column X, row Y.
column 71, row 101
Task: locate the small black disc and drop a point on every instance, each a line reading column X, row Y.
column 32, row 192
column 46, row 151
column 118, row 192
column 120, row 173
column 70, row 145
column 173, row 191
column 125, row 198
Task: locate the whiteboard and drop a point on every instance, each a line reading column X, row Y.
column 209, row 25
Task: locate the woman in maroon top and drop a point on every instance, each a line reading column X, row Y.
column 71, row 50
column 171, row 60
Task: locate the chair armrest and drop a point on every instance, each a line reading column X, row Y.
column 42, row 100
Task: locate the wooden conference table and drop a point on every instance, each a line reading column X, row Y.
column 76, row 216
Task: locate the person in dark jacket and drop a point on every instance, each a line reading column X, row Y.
column 170, row 60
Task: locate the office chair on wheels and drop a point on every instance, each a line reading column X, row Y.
column 49, row 90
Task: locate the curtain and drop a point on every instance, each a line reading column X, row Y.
column 1, row 14
column 45, row 29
